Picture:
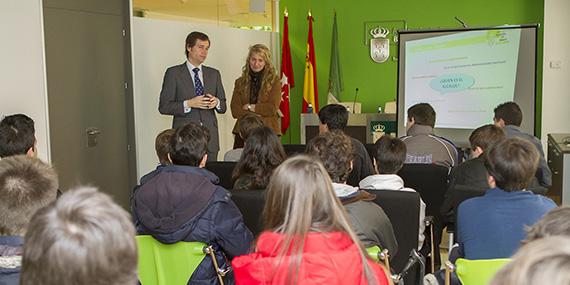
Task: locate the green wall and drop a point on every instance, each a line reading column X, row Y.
column 377, row 83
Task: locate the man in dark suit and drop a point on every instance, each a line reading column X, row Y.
column 191, row 92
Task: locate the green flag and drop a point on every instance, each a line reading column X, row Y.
column 335, row 75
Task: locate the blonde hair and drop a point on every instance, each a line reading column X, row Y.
column 300, row 199
column 543, row 261
column 269, row 72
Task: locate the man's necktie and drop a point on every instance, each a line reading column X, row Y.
column 198, row 83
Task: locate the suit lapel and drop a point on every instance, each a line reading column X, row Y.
column 186, row 79
column 208, row 79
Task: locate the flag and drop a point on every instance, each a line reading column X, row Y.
column 310, row 94
column 335, row 75
column 287, row 80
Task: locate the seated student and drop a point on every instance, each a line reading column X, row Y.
column 26, row 185
column 493, row 225
column 555, row 223
column 389, row 156
column 17, row 136
column 244, row 126
column 472, row 173
column 308, row 238
column 367, row 219
column 262, row 153
column 181, row 202
column 543, row 261
column 334, row 117
column 422, row 145
column 162, row 148
column 83, row 238
column 509, row 116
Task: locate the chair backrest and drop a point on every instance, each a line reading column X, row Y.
column 403, row 210
column 459, row 194
column 223, row 169
column 478, row 272
column 293, row 149
column 251, row 204
column 430, row 181
column 167, row 264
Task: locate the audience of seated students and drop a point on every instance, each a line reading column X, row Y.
column 244, row 126
column 493, row 225
column 83, row 238
column 308, row 238
column 26, row 185
column 422, row 145
column 389, row 157
column 509, row 116
column 335, row 117
column 17, row 136
column 543, row 261
column 367, row 219
column 472, row 173
column 162, row 148
column 262, row 153
column 181, row 202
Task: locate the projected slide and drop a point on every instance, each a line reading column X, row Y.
column 464, row 75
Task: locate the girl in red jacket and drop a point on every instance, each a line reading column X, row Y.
column 308, row 239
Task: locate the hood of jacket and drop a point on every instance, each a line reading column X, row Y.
column 172, row 197
column 382, row 182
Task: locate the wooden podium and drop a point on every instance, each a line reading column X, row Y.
column 363, row 127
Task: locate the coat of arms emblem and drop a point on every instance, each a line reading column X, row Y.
column 379, row 45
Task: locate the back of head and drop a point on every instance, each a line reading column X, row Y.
column 83, row 238
column 336, row 153
column 389, row 154
column 510, row 113
column 162, row 145
column 423, row 114
column 300, row 199
column 247, row 124
column 486, row 136
column 26, row 185
column 512, row 163
column 555, row 223
column 189, row 144
column 262, row 153
column 543, row 261
column 334, row 116
column 17, row 135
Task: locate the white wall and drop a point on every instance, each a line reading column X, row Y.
column 159, row 44
column 556, row 81
column 22, row 66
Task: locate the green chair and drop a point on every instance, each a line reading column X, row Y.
column 171, row 264
column 475, row 272
column 379, row 255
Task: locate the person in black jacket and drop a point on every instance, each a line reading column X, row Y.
column 182, row 202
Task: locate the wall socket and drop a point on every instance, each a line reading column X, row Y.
column 555, row 64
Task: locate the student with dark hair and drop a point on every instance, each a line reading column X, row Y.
column 17, row 136
column 182, row 202
column 389, row 157
column 472, row 173
column 493, row 225
column 26, row 185
column 262, row 153
column 422, row 145
column 83, row 238
column 193, row 92
column 162, row 146
column 334, row 117
column 368, row 220
column 244, row 125
column 509, row 117
column 308, row 238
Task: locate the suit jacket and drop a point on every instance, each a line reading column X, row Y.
column 266, row 106
column 178, row 87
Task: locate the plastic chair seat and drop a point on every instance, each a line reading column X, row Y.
column 478, row 272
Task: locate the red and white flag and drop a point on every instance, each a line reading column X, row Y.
column 287, row 80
